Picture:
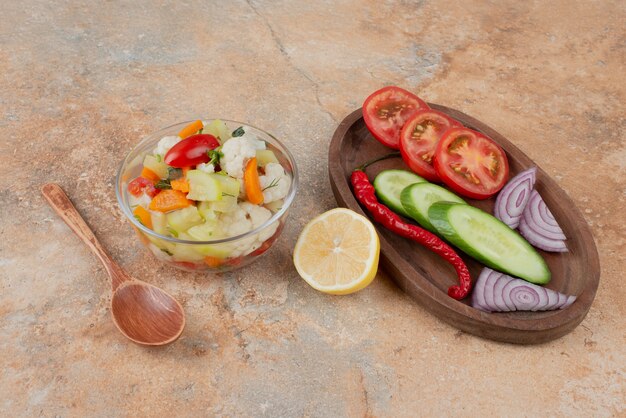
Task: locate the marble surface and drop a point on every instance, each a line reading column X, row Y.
column 81, row 82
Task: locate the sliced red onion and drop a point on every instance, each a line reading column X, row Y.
column 539, row 227
column 539, row 217
column 563, row 301
column 514, row 196
column 497, row 292
column 570, row 300
column 553, row 298
column 525, row 298
column 478, row 297
column 540, row 241
column 488, row 288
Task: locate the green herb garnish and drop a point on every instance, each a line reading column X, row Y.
column 227, row 194
column 138, row 219
column 238, row 132
column 173, row 232
column 274, row 183
column 200, row 131
column 214, row 156
column 163, row 184
column 158, row 157
column 166, row 251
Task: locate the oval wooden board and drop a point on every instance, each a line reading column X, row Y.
column 426, row 277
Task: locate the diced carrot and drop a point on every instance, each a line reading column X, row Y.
column 213, row 261
column 143, row 216
column 146, row 173
column 252, row 184
column 191, row 129
column 168, row 200
column 180, row 184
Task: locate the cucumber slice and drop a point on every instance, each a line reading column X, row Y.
column 265, row 156
column 157, row 166
column 488, row 240
column 230, row 192
column 206, row 211
column 206, row 231
column 185, row 252
column 390, row 183
column 203, row 186
column 218, row 129
column 222, row 250
column 159, row 225
column 159, row 222
column 182, row 219
column 418, row 197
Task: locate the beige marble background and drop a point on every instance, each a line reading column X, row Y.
column 81, row 82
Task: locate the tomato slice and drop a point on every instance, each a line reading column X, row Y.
column 470, row 163
column 419, row 138
column 191, row 151
column 140, row 185
column 386, row 110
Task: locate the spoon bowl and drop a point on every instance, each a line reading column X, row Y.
column 146, row 314
column 142, row 312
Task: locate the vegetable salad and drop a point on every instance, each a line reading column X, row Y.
column 208, row 184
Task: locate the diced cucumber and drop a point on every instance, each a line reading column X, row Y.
column 203, row 186
column 159, row 222
column 206, row 211
column 229, row 185
column 159, row 225
column 221, row 250
column 488, row 240
column 186, row 252
column 265, row 156
column 418, row 197
column 218, row 129
column 206, row 231
column 390, row 183
column 227, row 204
column 182, row 219
column 275, row 206
column 157, row 166
column 230, row 192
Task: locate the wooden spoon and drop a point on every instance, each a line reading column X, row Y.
column 143, row 313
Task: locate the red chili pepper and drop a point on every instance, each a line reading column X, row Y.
column 365, row 194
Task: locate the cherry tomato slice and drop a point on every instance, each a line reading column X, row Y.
column 140, row 185
column 470, row 163
column 419, row 138
column 386, row 110
column 191, row 151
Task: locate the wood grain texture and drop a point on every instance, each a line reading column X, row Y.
column 426, row 277
column 144, row 313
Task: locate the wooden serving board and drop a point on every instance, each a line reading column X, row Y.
column 426, row 277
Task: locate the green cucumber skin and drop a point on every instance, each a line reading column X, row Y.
column 439, row 214
column 392, row 201
column 414, row 193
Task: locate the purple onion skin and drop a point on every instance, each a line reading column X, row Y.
column 514, row 197
column 514, row 294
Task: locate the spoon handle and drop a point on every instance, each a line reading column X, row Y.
column 62, row 205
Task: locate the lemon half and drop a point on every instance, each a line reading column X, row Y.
column 337, row 252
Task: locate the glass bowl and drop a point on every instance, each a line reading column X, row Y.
column 211, row 256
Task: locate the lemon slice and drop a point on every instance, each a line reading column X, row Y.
column 337, row 252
